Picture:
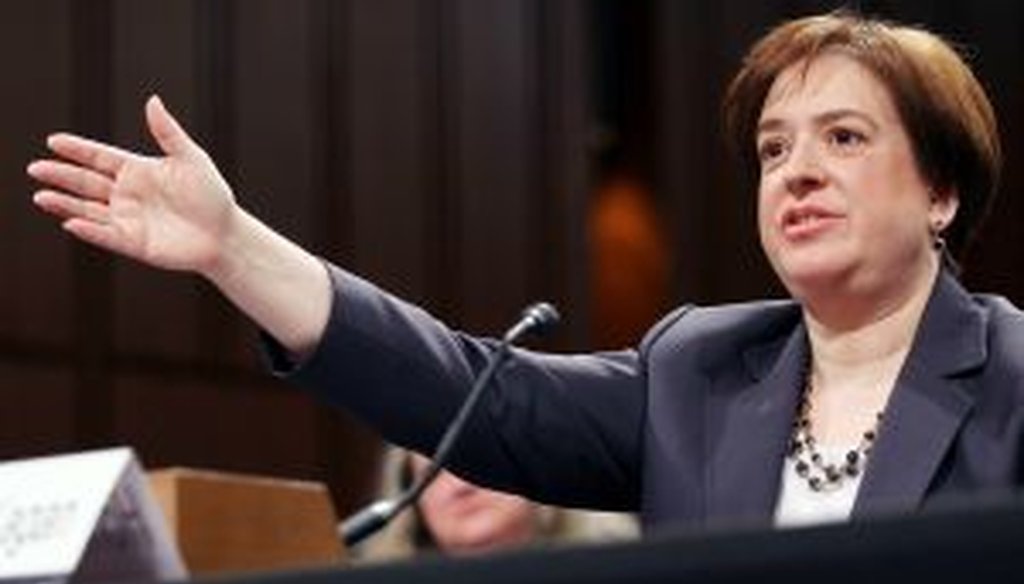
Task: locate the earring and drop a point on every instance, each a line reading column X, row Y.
column 938, row 242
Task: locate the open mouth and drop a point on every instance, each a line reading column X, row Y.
column 805, row 221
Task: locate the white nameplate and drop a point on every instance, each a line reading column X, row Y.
column 82, row 517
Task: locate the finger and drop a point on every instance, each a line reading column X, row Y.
column 75, row 179
column 70, row 207
column 89, row 153
column 166, row 130
column 98, row 234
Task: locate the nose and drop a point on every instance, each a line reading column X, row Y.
column 803, row 173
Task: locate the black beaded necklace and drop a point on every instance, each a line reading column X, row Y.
column 822, row 475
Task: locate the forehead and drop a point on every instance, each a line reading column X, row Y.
column 831, row 82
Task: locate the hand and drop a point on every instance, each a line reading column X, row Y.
column 173, row 211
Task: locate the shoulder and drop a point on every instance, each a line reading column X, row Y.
column 1004, row 316
column 1005, row 330
column 996, row 387
column 717, row 329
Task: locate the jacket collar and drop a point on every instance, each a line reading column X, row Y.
column 929, row 404
column 926, row 409
column 756, row 426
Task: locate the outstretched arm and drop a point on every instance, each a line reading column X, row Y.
column 176, row 212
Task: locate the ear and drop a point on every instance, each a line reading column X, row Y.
column 942, row 208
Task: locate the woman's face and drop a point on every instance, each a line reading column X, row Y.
column 842, row 205
column 464, row 518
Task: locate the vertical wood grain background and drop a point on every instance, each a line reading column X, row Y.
column 450, row 150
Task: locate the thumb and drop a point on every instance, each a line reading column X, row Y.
column 168, row 134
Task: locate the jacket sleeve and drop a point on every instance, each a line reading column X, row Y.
column 560, row 429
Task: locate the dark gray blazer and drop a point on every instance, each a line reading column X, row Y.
column 690, row 428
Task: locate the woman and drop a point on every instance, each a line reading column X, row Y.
column 455, row 517
column 882, row 386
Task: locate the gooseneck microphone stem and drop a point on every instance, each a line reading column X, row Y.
column 375, row 516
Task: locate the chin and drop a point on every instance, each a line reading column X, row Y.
column 806, row 278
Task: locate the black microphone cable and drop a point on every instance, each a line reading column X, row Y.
column 367, row 521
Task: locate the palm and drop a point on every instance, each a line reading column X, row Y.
column 171, row 211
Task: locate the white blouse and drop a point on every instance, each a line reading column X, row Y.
column 798, row 505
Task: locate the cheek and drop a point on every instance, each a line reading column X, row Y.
column 893, row 202
column 430, row 507
column 900, row 223
column 434, row 503
column 500, row 520
column 766, row 208
column 508, row 506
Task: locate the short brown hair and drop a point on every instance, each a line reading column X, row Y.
column 947, row 115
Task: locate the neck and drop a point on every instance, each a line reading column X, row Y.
column 874, row 337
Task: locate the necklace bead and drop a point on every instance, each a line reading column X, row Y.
column 810, row 465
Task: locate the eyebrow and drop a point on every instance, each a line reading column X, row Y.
column 824, row 118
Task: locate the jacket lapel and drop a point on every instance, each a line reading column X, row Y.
column 926, row 410
column 755, row 429
column 928, row 404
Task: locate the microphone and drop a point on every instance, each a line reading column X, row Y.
column 536, row 318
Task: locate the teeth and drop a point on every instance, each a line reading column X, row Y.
column 801, row 218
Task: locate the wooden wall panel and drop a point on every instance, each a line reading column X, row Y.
column 495, row 170
column 684, row 103
column 178, row 421
column 156, row 314
column 445, row 148
column 270, row 137
column 386, row 118
column 697, row 48
column 35, row 296
column 37, row 414
column 91, row 111
column 272, row 115
column 564, row 153
column 997, row 262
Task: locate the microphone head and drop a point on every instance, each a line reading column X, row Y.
column 541, row 316
column 537, row 318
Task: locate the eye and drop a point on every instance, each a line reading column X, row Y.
column 771, row 149
column 846, row 139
